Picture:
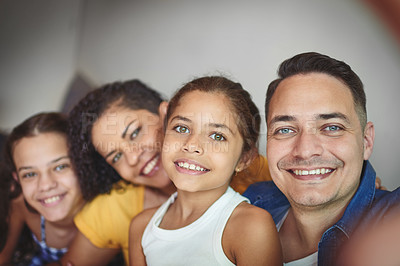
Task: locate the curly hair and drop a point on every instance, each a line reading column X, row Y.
column 95, row 175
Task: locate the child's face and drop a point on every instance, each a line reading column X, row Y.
column 130, row 141
column 202, row 144
column 44, row 171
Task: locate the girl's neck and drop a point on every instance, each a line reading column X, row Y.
column 190, row 206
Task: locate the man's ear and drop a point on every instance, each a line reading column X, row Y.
column 246, row 160
column 369, row 137
column 162, row 110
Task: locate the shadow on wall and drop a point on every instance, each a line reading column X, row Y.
column 78, row 88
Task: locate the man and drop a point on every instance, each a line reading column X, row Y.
column 318, row 145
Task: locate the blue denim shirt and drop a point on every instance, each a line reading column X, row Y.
column 367, row 205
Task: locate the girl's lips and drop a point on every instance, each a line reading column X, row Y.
column 53, row 200
column 151, row 166
column 190, row 167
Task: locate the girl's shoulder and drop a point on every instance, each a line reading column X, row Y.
column 250, row 235
column 247, row 214
column 20, row 211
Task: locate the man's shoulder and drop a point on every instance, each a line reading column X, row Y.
column 385, row 203
column 267, row 195
column 262, row 191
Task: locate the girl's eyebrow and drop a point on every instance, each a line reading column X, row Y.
column 179, row 117
column 216, row 125
column 223, row 126
column 51, row 162
column 127, row 128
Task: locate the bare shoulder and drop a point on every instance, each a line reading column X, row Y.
column 247, row 214
column 251, row 238
column 140, row 221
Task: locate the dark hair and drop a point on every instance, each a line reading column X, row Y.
column 240, row 102
column 9, row 187
column 312, row 62
column 95, row 175
column 33, row 126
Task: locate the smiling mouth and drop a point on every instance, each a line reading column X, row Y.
column 318, row 171
column 52, row 200
column 150, row 166
column 191, row 166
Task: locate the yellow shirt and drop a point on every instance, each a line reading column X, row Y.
column 256, row 172
column 105, row 221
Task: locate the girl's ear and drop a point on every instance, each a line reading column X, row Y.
column 15, row 176
column 162, row 110
column 246, row 159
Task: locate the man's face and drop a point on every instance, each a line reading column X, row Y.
column 315, row 143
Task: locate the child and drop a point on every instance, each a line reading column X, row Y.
column 211, row 131
column 37, row 155
column 116, row 132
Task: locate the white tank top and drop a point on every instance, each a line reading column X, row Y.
column 199, row 243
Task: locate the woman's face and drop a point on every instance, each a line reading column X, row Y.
column 44, row 171
column 130, row 141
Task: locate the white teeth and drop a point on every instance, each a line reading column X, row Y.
column 191, row 166
column 52, row 199
column 312, row 172
column 149, row 167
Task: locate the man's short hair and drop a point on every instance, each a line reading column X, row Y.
column 313, row 62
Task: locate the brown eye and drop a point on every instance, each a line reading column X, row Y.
column 181, row 129
column 217, row 136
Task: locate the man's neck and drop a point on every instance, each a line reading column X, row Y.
column 303, row 229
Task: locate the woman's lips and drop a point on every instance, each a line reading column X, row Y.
column 151, row 166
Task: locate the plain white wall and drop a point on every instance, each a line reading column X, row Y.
column 166, row 43
column 37, row 56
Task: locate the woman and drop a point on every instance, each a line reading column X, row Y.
column 40, row 168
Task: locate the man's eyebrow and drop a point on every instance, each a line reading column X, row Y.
column 333, row 115
column 282, row 118
column 127, row 128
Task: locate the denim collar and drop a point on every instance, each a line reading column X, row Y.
column 361, row 201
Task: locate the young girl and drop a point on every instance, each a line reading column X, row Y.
column 37, row 154
column 115, row 131
column 211, row 131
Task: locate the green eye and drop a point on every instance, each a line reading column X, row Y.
column 181, row 129
column 217, row 136
column 116, row 157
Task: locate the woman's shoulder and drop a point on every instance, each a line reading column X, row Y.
column 124, row 199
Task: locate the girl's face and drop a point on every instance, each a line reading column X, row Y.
column 130, row 141
column 202, row 145
column 44, row 171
